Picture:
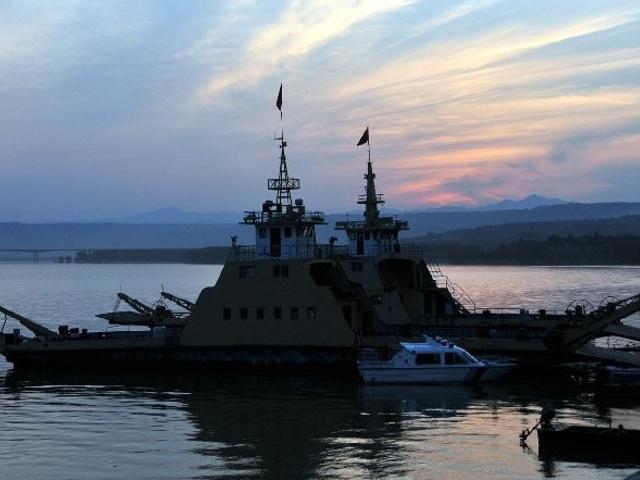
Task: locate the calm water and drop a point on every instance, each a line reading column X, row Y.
column 179, row 426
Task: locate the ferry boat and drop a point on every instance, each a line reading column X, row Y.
column 431, row 361
column 289, row 302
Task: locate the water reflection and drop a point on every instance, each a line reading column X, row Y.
column 188, row 426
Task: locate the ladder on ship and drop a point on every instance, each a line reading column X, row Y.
column 463, row 299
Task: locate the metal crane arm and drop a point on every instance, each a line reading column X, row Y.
column 35, row 327
column 181, row 302
column 137, row 305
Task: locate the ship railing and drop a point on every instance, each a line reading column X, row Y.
column 242, row 253
column 390, row 249
column 455, row 333
column 441, row 280
column 381, row 222
column 516, row 312
column 459, row 294
column 294, row 214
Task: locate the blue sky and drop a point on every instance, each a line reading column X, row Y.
column 111, row 108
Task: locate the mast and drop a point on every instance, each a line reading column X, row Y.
column 375, row 234
column 284, row 228
column 283, row 184
column 370, row 199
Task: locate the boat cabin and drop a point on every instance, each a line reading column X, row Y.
column 283, row 228
column 433, row 352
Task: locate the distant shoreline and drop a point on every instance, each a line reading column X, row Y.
column 588, row 250
column 440, row 263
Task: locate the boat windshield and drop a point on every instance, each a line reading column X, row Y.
column 470, row 358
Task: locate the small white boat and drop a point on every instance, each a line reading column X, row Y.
column 432, row 361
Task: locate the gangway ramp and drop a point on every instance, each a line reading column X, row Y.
column 609, row 354
column 624, row 331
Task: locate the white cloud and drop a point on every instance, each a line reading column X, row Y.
column 302, row 27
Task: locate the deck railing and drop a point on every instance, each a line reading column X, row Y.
column 309, row 252
column 296, row 214
column 302, row 252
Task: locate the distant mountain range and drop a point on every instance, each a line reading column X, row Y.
column 532, row 201
column 177, row 215
column 177, row 234
column 493, row 235
column 439, row 222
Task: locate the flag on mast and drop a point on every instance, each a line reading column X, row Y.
column 279, row 100
column 364, row 138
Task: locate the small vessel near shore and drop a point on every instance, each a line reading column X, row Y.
column 288, row 302
column 434, row 361
column 616, row 439
column 583, row 442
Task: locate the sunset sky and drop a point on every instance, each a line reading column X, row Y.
column 115, row 107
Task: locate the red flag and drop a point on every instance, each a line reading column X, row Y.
column 279, row 101
column 364, row 138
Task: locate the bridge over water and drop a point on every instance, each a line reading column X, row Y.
column 38, row 254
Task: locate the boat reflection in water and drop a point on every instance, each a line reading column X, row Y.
column 176, row 426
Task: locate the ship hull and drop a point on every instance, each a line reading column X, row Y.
column 432, row 375
column 250, row 360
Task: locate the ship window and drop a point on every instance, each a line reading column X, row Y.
column 262, row 232
column 247, row 272
column 356, row 266
column 244, row 313
column 376, row 299
column 295, row 314
column 285, row 270
column 277, row 313
column 260, row 313
column 287, row 232
column 311, row 313
column 427, row 359
column 367, row 235
column 226, row 313
column 276, row 271
column 451, row 358
column 375, row 235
